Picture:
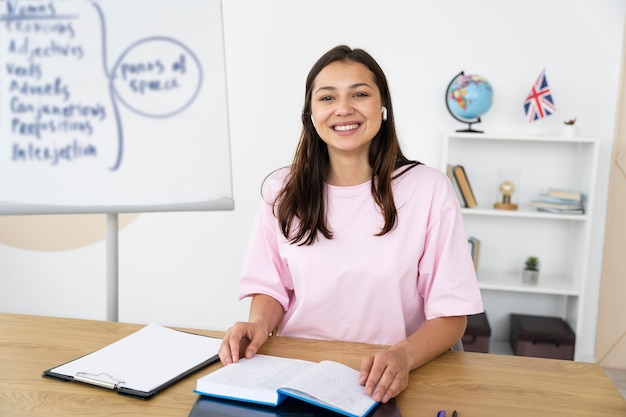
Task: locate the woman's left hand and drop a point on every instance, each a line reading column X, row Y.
column 385, row 374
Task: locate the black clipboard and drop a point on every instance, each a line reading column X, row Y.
column 150, row 347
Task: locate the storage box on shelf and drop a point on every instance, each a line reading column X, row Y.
column 541, row 337
column 508, row 237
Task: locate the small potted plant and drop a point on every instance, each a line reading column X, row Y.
column 530, row 274
column 570, row 129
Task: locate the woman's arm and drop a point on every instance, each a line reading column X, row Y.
column 386, row 373
column 265, row 316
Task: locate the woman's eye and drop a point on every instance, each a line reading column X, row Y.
column 326, row 98
column 360, row 95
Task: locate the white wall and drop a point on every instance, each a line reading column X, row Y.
column 181, row 268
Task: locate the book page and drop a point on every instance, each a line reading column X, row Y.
column 146, row 359
column 334, row 385
column 254, row 380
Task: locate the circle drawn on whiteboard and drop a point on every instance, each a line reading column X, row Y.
column 157, row 77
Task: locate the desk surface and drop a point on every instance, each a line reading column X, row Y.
column 475, row 384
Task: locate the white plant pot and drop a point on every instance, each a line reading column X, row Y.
column 529, row 276
column 570, row 131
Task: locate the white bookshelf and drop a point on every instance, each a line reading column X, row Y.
column 561, row 242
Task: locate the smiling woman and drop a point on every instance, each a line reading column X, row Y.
column 56, row 232
column 353, row 227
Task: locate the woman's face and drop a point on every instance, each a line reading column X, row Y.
column 346, row 108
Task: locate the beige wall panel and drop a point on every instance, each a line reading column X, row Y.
column 611, row 337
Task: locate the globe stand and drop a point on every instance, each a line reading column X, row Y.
column 469, row 122
column 469, row 125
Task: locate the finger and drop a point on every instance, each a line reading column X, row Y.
column 256, row 340
column 366, row 366
column 375, row 375
column 224, row 351
column 382, row 390
column 398, row 384
column 236, row 345
column 236, row 342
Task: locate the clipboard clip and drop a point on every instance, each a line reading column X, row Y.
column 102, row 379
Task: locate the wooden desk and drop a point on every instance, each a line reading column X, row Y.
column 475, row 384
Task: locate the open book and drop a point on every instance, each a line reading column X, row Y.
column 269, row 380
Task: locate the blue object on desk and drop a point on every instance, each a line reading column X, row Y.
column 441, row 413
column 217, row 407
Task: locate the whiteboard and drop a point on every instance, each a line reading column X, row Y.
column 113, row 106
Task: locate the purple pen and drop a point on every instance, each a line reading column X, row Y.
column 441, row 413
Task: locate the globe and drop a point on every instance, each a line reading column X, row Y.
column 468, row 97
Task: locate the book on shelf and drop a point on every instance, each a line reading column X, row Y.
column 547, row 198
column 564, row 193
column 466, row 190
column 562, row 206
column 474, row 246
column 553, row 207
column 269, row 380
column 561, row 211
column 455, row 184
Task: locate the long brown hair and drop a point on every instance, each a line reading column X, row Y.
column 300, row 205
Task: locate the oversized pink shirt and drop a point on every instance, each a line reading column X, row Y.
column 361, row 287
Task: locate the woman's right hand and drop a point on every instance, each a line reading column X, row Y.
column 246, row 337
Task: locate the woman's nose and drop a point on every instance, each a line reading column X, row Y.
column 344, row 107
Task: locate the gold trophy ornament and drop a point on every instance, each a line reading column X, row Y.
column 506, row 189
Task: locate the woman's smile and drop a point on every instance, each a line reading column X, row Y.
column 347, row 128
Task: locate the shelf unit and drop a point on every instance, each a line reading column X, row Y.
column 560, row 241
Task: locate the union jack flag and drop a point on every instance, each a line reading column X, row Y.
column 539, row 103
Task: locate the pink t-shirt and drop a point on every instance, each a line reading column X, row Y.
column 360, row 287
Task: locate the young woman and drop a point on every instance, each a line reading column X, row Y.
column 355, row 242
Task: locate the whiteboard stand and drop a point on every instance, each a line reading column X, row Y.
column 112, row 292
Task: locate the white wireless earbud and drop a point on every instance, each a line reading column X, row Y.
column 383, row 110
column 312, row 121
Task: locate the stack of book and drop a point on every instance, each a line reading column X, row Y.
column 561, row 202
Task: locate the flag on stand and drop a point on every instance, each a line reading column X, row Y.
column 539, row 103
